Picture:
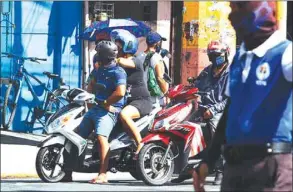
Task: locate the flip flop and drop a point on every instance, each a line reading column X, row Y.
column 98, row 181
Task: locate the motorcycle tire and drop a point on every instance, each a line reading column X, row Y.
column 135, row 175
column 39, row 166
column 140, row 165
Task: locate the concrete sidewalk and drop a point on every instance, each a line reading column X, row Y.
column 18, row 154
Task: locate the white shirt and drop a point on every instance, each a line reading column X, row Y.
column 275, row 39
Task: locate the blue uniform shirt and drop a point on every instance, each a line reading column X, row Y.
column 260, row 90
column 111, row 76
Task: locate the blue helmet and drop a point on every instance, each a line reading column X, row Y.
column 128, row 40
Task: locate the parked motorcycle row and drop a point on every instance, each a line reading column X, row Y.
column 172, row 142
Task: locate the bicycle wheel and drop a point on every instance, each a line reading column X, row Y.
column 9, row 107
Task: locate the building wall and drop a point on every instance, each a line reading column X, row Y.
column 135, row 11
column 210, row 22
column 46, row 30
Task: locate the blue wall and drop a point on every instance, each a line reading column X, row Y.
column 47, row 30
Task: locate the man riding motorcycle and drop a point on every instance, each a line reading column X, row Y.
column 212, row 81
column 103, row 117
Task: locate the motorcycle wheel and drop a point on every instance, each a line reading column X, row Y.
column 147, row 165
column 46, row 164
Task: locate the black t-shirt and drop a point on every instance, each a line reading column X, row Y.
column 136, row 78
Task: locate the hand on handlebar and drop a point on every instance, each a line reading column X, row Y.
column 207, row 114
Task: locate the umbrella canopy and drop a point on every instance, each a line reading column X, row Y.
column 101, row 29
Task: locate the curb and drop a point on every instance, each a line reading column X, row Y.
column 19, row 176
column 21, row 135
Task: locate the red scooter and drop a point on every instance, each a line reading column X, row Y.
column 174, row 142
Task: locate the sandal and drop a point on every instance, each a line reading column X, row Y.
column 139, row 147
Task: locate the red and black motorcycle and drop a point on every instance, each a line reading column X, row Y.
column 174, row 141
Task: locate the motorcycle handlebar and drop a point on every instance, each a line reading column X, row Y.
column 203, row 93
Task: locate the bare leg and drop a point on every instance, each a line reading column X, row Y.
column 127, row 115
column 104, row 158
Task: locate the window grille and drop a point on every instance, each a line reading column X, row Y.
column 104, row 7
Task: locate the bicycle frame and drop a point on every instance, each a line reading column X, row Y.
column 23, row 75
column 40, row 107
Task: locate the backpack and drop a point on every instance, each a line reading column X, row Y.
column 152, row 82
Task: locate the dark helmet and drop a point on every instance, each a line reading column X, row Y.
column 107, row 51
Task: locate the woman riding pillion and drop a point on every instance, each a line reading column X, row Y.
column 139, row 101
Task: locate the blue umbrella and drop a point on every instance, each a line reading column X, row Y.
column 101, row 29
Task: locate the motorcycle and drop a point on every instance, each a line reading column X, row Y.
column 65, row 150
column 174, row 144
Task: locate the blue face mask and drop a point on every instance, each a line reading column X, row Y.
column 250, row 22
column 220, row 60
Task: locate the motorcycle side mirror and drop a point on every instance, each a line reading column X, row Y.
column 99, row 86
column 198, row 99
column 190, row 80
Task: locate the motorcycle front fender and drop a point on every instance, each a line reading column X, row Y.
column 53, row 140
column 156, row 137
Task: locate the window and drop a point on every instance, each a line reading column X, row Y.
column 97, row 7
column 146, row 12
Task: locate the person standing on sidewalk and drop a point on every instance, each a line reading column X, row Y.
column 154, row 60
column 256, row 126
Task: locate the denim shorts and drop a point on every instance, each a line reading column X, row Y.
column 99, row 119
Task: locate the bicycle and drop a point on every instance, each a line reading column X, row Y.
column 43, row 108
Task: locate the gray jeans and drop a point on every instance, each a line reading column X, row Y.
column 271, row 173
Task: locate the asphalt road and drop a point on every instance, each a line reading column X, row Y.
column 117, row 182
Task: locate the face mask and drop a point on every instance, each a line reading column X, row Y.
column 158, row 48
column 218, row 61
column 248, row 22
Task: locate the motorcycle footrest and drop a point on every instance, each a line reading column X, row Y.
column 90, row 163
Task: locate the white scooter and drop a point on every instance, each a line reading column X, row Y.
column 65, row 150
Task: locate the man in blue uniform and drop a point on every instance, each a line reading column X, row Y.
column 256, row 127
